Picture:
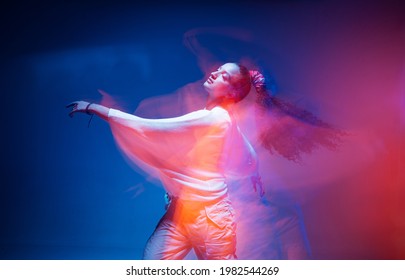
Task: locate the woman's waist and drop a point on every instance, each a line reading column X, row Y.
column 198, row 203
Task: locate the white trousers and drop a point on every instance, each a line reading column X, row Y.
column 208, row 228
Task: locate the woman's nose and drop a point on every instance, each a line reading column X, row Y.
column 214, row 74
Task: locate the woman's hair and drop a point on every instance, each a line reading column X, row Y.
column 241, row 83
column 284, row 127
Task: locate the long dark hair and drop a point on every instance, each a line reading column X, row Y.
column 286, row 129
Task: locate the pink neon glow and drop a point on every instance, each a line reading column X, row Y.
column 354, row 194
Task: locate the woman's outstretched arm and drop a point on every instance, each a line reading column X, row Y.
column 89, row 108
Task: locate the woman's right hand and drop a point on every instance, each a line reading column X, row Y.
column 257, row 183
column 78, row 106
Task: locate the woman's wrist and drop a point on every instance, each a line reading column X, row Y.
column 97, row 109
column 88, row 109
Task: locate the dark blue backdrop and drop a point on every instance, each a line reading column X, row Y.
column 65, row 188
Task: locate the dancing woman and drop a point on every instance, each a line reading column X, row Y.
column 191, row 155
column 195, row 155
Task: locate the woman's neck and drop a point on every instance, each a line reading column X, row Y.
column 219, row 102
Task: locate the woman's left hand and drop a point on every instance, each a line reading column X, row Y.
column 78, row 106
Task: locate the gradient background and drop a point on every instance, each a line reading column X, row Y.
column 67, row 193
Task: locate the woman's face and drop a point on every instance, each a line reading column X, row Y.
column 219, row 83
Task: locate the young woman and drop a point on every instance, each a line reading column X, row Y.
column 197, row 155
column 194, row 155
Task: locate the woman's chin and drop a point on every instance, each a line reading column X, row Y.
column 207, row 86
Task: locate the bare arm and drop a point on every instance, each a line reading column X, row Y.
column 89, row 108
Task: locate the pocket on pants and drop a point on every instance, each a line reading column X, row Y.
column 221, row 214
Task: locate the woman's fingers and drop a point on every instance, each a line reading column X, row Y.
column 262, row 192
column 72, row 104
column 257, row 182
column 72, row 112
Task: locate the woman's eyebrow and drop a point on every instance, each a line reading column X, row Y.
column 220, row 69
column 224, row 71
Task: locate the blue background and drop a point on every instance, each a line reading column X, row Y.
column 66, row 191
